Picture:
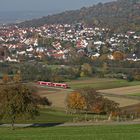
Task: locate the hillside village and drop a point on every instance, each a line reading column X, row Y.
column 56, row 40
column 71, row 72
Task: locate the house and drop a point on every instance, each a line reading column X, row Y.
column 132, row 57
column 9, row 59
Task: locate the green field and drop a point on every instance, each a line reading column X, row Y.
column 135, row 94
column 120, row 132
column 56, row 116
column 46, row 116
column 101, row 83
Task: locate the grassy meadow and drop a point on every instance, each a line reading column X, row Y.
column 101, row 83
column 57, row 116
column 112, row 132
column 135, row 94
column 46, row 116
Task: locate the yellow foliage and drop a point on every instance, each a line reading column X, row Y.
column 5, row 78
column 17, row 78
column 76, row 101
column 118, row 55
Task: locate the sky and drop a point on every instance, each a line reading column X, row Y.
column 45, row 5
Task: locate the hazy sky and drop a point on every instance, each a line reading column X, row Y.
column 45, row 5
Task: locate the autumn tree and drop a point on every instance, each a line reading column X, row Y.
column 103, row 57
column 97, row 103
column 5, row 78
column 75, row 102
column 17, row 101
column 137, row 77
column 17, row 78
column 110, row 107
column 87, row 99
column 86, row 70
column 117, row 55
column 92, row 98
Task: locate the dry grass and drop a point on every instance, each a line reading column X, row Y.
column 56, row 95
column 122, row 90
column 124, row 101
column 132, row 108
column 122, row 95
column 57, row 99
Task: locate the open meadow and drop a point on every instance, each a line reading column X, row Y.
column 48, row 116
column 101, row 83
column 109, row 132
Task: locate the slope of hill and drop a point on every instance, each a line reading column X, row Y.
column 19, row 16
column 120, row 15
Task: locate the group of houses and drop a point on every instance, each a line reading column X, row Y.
column 19, row 44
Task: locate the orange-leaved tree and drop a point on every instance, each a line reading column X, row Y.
column 5, row 78
column 87, row 99
column 117, row 55
column 76, row 102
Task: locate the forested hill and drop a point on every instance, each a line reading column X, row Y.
column 119, row 15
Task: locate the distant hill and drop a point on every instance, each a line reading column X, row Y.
column 119, row 15
column 19, row 16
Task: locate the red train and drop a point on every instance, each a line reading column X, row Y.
column 51, row 84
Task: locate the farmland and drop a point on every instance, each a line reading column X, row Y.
column 119, row 132
column 101, row 83
column 114, row 89
column 117, row 90
column 123, row 90
column 123, row 101
column 135, row 94
column 125, row 96
column 56, row 113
